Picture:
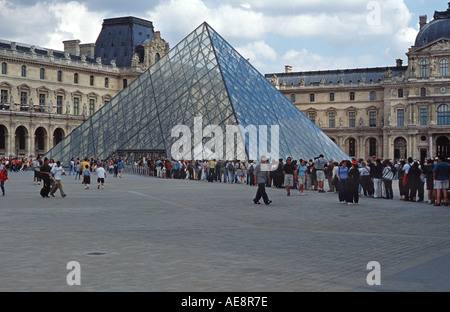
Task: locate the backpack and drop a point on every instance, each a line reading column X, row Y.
column 230, row 166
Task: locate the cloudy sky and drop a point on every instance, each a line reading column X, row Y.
column 306, row 34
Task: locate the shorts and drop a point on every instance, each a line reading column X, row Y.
column 440, row 184
column 101, row 180
column 301, row 179
column 320, row 175
column 289, row 180
column 87, row 179
column 430, row 185
column 37, row 174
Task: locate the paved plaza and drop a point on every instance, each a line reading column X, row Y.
column 148, row 234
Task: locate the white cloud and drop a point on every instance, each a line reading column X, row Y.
column 259, row 54
column 182, row 16
column 47, row 24
column 85, row 26
column 305, row 60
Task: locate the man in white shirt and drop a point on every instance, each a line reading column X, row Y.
column 101, row 175
column 58, row 172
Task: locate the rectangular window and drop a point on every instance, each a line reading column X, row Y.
column 400, row 117
column 42, row 73
column 23, row 98
column 311, row 97
column 423, row 116
column 91, row 80
column 331, row 97
column 106, row 82
column 42, row 102
column 4, row 96
column 372, row 119
column 24, row 71
column 352, row 96
column 443, row 65
column 59, row 76
column 400, row 93
column 312, row 117
column 23, row 101
column 76, row 102
column 352, row 119
column 293, row 98
column 332, row 120
column 373, row 95
column 125, row 83
column 59, row 103
column 75, row 78
column 423, row 92
column 91, row 107
column 4, row 69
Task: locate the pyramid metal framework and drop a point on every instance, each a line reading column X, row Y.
column 202, row 76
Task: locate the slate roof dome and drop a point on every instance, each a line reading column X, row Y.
column 438, row 28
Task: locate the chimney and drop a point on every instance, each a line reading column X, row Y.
column 399, row 62
column 422, row 20
column 288, row 69
column 72, row 47
column 87, row 49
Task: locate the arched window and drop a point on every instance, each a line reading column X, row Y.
column 157, row 57
column 4, row 67
column 59, row 77
column 42, row 73
column 24, row 71
column 443, row 66
column 443, row 115
column 424, row 69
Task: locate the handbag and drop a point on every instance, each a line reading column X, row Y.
column 389, row 175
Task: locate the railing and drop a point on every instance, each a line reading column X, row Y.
column 139, row 170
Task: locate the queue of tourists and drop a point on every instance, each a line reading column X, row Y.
column 418, row 181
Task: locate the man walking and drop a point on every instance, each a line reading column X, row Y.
column 320, row 164
column 261, row 172
column 58, row 172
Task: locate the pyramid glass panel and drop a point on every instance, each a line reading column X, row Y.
column 201, row 82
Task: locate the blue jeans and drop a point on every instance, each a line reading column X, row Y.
column 70, row 170
column 230, row 176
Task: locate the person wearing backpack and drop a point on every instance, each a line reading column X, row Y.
column 388, row 175
column 230, row 168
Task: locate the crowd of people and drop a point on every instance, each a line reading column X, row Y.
column 350, row 179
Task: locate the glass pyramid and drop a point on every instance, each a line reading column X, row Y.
column 202, row 76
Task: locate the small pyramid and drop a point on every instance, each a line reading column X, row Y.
column 201, row 80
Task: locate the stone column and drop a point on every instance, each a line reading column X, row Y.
column 430, row 151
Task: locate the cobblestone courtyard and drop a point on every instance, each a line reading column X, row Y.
column 147, row 234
